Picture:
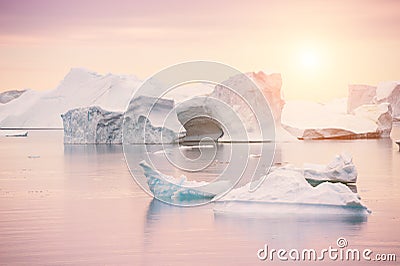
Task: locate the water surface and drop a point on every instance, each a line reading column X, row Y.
column 78, row 204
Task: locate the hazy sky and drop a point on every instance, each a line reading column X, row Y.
column 318, row 46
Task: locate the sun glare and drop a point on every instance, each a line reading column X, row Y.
column 309, row 59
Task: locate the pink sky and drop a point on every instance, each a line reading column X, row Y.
column 318, row 46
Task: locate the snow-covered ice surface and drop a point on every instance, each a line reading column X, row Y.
column 285, row 187
column 80, row 88
column 286, row 191
column 341, row 169
column 384, row 92
column 318, row 121
column 8, row 96
column 384, row 89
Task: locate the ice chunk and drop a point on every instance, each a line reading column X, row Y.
column 171, row 189
column 285, row 187
column 285, row 191
column 341, row 169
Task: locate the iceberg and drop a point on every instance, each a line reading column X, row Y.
column 170, row 189
column 384, row 92
column 80, row 88
column 390, row 92
column 139, row 130
column 94, row 125
column 318, row 121
column 150, row 120
column 8, row 96
column 225, row 114
column 269, row 84
column 285, row 190
column 270, row 87
column 207, row 117
column 341, row 169
column 358, row 95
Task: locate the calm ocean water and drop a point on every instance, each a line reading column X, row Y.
column 79, row 204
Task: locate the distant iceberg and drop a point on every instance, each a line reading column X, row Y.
column 384, row 92
column 318, row 121
column 80, row 88
column 11, row 95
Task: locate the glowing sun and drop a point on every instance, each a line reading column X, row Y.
column 309, row 59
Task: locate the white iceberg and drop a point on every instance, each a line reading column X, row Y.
column 94, row 125
column 358, row 95
column 8, row 96
column 231, row 114
column 80, row 88
column 341, row 169
column 207, row 117
column 385, row 92
column 270, row 86
column 318, row 121
column 150, row 120
column 390, row 92
column 285, row 190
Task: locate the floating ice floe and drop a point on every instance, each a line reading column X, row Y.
column 341, row 169
column 286, row 191
column 180, row 190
